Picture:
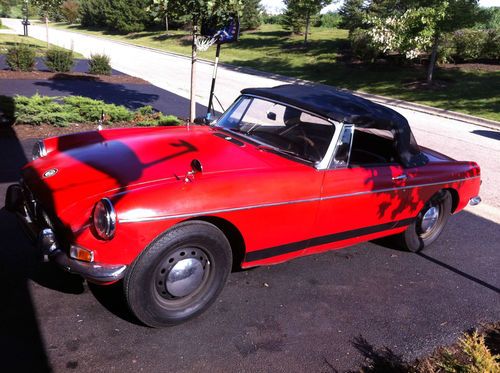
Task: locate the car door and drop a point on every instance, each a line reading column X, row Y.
column 358, row 202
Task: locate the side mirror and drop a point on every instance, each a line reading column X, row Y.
column 271, row 115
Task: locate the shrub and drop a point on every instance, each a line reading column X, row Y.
column 99, row 64
column 446, row 51
column 70, row 10
column 169, row 120
column 59, row 60
column 478, row 357
column 469, row 43
column 160, row 120
column 491, row 48
column 145, row 110
column 21, row 57
column 59, row 111
column 91, row 110
column 362, row 46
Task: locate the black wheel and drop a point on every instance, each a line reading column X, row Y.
column 179, row 275
column 429, row 223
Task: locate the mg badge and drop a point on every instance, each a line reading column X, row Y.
column 50, row 173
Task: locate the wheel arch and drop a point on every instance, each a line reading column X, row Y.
column 455, row 199
column 232, row 234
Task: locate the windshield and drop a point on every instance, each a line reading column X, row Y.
column 283, row 128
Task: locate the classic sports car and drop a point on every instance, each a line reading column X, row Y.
column 285, row 172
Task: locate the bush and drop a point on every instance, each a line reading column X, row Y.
column 59, row 111
column 91, row 110
column 169, row 120
column 491, row 48
column 59, row 60
column 99, row 64
column 469, row 43
column 159, row 120
column 362, row 46
column 21, row 57
column 70, row 10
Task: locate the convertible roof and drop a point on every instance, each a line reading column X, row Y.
column 346, row 107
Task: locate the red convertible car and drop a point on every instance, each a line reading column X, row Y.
column 285, row 172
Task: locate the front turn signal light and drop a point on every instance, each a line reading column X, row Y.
column 79, row 253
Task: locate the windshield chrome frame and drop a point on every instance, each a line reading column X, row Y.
column 324, row 163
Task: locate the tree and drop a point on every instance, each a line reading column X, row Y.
column 251, row 17
column 159, row 10
column 70, row 10
column 300, row 12
column 353, row 13
column 417, row 25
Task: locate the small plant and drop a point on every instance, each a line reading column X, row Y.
column 474, row 356
column 169, row 120
column 21, row 57
column 59, row 60
column 99, row 64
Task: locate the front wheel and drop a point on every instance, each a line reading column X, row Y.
column 179, row 275
column 429, row 223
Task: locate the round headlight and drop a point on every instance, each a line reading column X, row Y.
column 104, row 219
column 39, row 150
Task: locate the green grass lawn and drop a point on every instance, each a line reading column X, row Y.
column 8, row 40
column 273, row 49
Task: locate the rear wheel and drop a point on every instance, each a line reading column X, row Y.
column 179, row 275
column 429, row 223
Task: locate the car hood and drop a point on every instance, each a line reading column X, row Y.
column 115, row 161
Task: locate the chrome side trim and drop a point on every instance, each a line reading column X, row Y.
column 275, row 204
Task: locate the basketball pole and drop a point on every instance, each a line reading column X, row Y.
column 192, row 110
column 214, row 78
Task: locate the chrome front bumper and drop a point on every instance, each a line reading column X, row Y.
column 49, row 248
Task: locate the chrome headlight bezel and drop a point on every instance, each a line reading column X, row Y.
column 39, row 150
column 104, row 219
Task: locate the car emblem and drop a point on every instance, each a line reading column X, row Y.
column 50, row 173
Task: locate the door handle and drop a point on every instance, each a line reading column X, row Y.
column 400, row 177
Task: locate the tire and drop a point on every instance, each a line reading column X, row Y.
column 179, row 275
column 429, row 223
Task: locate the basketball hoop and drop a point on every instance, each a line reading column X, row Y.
column 204, row 42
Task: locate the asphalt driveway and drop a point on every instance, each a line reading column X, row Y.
column 331, row 312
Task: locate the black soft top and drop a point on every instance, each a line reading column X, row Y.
column 345, row 107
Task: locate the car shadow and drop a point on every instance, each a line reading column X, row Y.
column 495, row 135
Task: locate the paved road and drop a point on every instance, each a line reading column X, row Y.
column 328, row 312
column 171, row 72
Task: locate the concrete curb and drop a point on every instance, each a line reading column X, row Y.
column 379, row 99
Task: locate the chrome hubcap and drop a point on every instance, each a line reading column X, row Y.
column 185, row 277
column 182, row 273
column 430, row 219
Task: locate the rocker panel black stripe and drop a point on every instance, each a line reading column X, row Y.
column 321, row 240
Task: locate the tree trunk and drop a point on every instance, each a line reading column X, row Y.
column 308, row 20
column 166, row 24
column 432, row 61
column 192, row 111
column 47, row 30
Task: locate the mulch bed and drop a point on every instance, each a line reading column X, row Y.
column 25, row 131
column 43, row 75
